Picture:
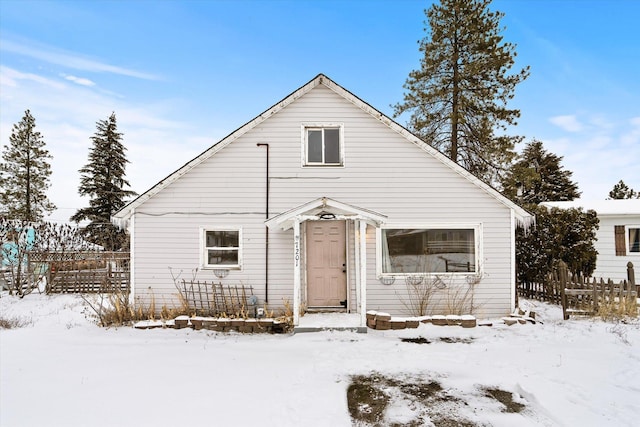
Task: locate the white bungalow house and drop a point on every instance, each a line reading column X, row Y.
column 323, row 202
column 618, row 238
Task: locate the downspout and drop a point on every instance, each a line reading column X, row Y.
column 266, row 229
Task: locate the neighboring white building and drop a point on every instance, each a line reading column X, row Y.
column 618, row 238
column 323, row 201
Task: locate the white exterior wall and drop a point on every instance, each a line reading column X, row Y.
column 608, row 265
column 382, row 172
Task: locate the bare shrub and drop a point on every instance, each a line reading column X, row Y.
column 621, row 332
column 427, row 291
column 419, row 293
column 27, row 248
column 14, row 322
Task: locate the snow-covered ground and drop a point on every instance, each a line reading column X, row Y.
column 60, row 369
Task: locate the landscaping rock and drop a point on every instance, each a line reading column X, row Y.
column 412, row 323
column 383, row 325
column 398, row 324
column 468, row 321
column 182, row 322
column 439, row 320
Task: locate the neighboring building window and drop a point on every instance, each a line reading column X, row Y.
column 634, row 240
column 428, row 250
column 627, row 239
column 323, row 146
column 221, row 248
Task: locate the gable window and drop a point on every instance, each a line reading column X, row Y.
column 323, row 145
column 428, row 250
column 221, row 248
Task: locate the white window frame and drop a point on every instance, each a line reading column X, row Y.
column 203, row 249
column 477, row 237
column 305, row 127
column 627, row 241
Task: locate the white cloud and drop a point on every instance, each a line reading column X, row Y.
column 70, row 60
column 10, row 77
column 568, row 123
column 66, row 113
column 600, row 155
column 632, row 137
column 79, row 80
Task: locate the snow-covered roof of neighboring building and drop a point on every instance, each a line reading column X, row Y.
column 602, row 207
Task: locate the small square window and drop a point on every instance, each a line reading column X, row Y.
column 221, row 248
column 323, row 146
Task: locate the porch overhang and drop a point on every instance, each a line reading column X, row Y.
column 325, row 208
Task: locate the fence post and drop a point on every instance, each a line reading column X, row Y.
column 631, row 278
column 562, row 277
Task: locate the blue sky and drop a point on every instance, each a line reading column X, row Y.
column 180, row 75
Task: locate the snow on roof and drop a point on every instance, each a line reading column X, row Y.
column 602, row 207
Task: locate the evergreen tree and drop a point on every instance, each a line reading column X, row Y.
column 24, row 173
column 622, row 191
column 538, row 177
column 103, row 180
column 457, row 99
column 559, row 234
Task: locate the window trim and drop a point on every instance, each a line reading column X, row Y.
column 321, row 126
column 627, row 241
column 203, row 248
column 477, row 236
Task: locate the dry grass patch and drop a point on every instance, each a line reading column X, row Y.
column 370, row 397
column 418, row 400
column 506, row 398
column 14, row 322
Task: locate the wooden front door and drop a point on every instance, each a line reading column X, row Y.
column 326, row 264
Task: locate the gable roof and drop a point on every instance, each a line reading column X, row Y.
column 121, row 217
column 325, row 205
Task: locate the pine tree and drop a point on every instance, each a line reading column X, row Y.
column 559, row 234
column 622, row 191
column 457, row 99
column 24, row 173
column 103, row 180
column 538, row 177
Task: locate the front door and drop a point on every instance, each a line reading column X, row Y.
column 326, row 264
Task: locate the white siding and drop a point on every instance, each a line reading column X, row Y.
column 382, row 172
column 608, row 265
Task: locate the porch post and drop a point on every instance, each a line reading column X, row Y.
column 363, row 273
column 356, row 264
column 296, row 272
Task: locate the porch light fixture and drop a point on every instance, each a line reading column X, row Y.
column 326, row 215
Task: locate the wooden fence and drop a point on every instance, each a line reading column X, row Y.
column 580, row 295
column 89, row 281
column 87, row 272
